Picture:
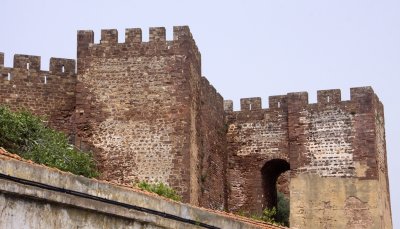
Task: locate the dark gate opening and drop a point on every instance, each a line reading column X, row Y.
column 270, row 173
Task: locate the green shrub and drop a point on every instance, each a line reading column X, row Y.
column 160, row 189
column 27, row 135
column 283, row 210
column 277, row 215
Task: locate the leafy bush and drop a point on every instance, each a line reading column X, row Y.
column 277, row 215
column 160, row 189
column 283, row 210
column 27, row 135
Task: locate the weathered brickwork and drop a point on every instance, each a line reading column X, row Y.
column 333, row 138
column 147, row 113
column 256, row 136
column 45, row 93
column 383, row 194
column 212, row 155
column 136, row 104
column 334, row 147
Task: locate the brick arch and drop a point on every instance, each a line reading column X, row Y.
column 270, row 173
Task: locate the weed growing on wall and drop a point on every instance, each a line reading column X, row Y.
column 160, row 189
column 27, row 135
column 277, row 215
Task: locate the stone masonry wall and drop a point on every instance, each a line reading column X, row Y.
column 255, row 136
column 213, row 148
column 383, row 194
column 333, row 137
column 136, row 103
column 333, row 160
column 46, row 93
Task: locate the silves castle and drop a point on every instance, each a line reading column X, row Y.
column 147, row 113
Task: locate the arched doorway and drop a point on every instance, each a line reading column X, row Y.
column 270, row 172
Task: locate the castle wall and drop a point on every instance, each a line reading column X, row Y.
column 138, row 107
column 383, row 193
column 46, row 93
column 149, row 115
column 255, row 136
column 333, row 161
column 212, row 154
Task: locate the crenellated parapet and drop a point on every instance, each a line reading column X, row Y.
column 334, row 137
column 255, row 103
column 278, row 102
column 133, row 40
column 252, row 109
column 25, row 66
column 133, row 35
column 28, row 62
column 49, row 93
column 228, row 105
column 360, row 97
column 109, row 36
column 60, row 66
column 182, row 44
column 250, row 104
column 1, row 59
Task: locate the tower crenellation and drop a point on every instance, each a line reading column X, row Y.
column 62, row 66
column 109, row 36
column 28, row 62
column 133, row 35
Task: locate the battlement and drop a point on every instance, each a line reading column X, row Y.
column 62, row 66
column 358, row 95
column 181, row 44
column 255, row 103
column 228, row 105
column 27, row 62
column 278, row 101
column 109, row 36
column 361, row 97
column 248, row 104
column 58, row 66
column 133, row 35
column 157, row 34
column 325, row 97
column 1, row 59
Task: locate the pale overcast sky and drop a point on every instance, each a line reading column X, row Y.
column 249, row 48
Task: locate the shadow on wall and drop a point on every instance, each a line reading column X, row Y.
column 270, row 173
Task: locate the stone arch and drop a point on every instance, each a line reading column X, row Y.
column 270, row 173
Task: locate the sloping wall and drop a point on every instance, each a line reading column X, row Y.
column 34, row 196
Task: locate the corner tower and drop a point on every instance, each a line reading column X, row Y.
column 338, row 161
column 139, row 108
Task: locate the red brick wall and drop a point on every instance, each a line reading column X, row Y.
column 255, row 136
column 137, row 102
column 46, row 93
column 212, row 155
column 326, row 138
